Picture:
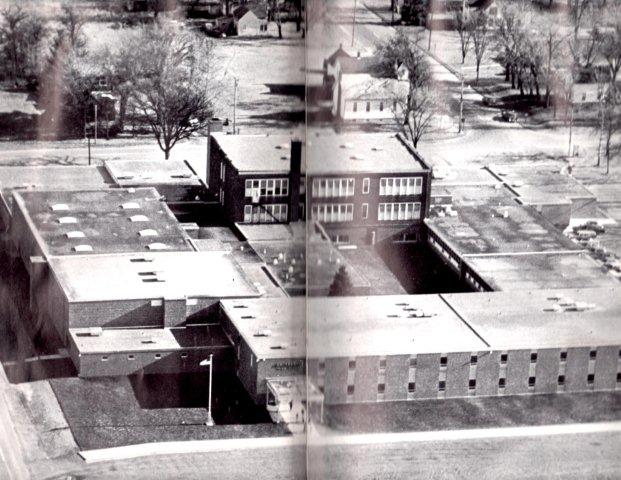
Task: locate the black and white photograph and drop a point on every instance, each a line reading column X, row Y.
column 310, row 239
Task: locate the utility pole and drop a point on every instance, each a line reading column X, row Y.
column 234, row 105
column 461, row 100
column 207, row 162
column 392, row 10
column 571, row 122
column 204, row 363
column 353, row 25
column 89, row 150
column 96, row 122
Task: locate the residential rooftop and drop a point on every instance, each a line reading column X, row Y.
column 106, row 221
column 537, row 319
column 158, row 275
column 345, row 153
column 492, row 229
column 363, row 86
column 162, row 340
column 539, row 271
column 138, row 173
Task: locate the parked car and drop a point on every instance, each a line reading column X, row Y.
column 491, row 101
column 583, row 234
column 509, row 116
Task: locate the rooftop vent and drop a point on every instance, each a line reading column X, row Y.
column 138, row 218
column 357, row 156
column 280, row 346
column 60, row 207
column 147, row 341
column 149, row 232
column 82, row 248
column 152, row 280
column 130, row 206
column 157, row 246
column 75, row 234
column 65, row 220
column 377, row 148
column 141, row 259
column 347, row 145
column 263, row 332
column 125, row 176
column 282, row 146
column 95, row 331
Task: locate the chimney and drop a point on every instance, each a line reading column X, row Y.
column 295, row 171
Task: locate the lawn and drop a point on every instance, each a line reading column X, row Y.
column 465, row 413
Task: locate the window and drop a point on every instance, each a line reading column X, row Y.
column 266, row 187
column 350, row 389
column 443, row 361
column 563, row 356
column 473, row 359
column 472, row 384
column 352, row 364
column 593, row 354
column 531, row 381
column 381, row 106
column 184, row 355
column 333, row 212
column 322, row 366
column 267, row 213
column 533, row 358
column 618, row 377
column 504, row 357
column 381, row 388
column 104, row 358
column 502, row 382
column 382, row 364
column 333, row 187
column 365, row 210
column 130, row 357
column 368, row 106
column 413, row 362
column 561, row 380
column 394, row 105
column 355, row 107
column 392, row 186
column 366, row 185
column 398, row 211
column 158, row 355
column 590, row 378
column 411, row 387
column 442, row 386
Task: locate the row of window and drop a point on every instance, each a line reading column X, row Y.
column 333, row 212
column 333, row 187
column 367, row 106
column 401, row 186
column 398, row 211
column 267, row 187
column 131, row 356
column 472, row 384
column 268, row 213
column 474, row 360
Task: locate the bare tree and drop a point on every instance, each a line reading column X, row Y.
column 400, row 50
column 416, row 112
column 610, row 47
column 173, row 82
column 481, row 36
column 274, row 15
column 463, row 26
column 610, row 117
column 11, row 36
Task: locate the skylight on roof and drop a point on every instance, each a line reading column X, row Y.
column 65, row 220
column 157, row 246
column 75, row 234
column 60, row 207
column 181, row 175
column 82, row 248
column 149, row 232
column 130, row 206
column 138, row 218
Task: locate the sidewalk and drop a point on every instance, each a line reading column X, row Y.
column 12, row 464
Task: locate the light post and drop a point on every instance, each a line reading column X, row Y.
column 461, row 100
column 234, row 105
column 204, row 363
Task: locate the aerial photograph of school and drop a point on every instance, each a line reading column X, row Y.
column 324, row 239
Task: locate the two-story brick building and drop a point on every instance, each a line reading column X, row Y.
column 363, row 188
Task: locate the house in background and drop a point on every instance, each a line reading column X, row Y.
column 252, row 21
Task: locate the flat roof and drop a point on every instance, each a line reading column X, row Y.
column 536, row 318
column 353, row 153
column 119, row 340
column 327, row 153
column 131, row 276
column 546, row 182
column 475, row 195
column 127, row 173
column 526, row 272
column 275, row 231
column 282, row 322
column 103, row 220
column 51, row 177
column 462, row 175
column 492, row 229
column 351, row 326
